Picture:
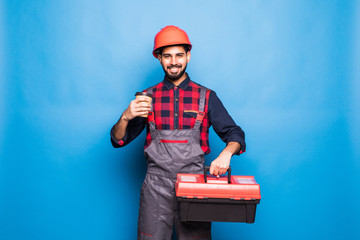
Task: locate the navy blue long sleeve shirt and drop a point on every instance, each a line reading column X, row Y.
column 216, row 116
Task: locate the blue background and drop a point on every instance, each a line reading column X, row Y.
column 287, row 71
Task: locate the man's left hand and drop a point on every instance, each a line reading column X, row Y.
column 220, row 164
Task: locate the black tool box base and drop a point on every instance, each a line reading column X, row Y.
column 217, row 210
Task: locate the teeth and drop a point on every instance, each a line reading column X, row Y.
column 174, row 69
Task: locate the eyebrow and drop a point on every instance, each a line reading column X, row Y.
column 180, row 53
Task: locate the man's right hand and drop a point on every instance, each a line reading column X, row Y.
column 137, row 107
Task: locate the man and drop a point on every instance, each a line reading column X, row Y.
column 178, row 123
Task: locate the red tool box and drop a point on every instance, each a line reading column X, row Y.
column 224, row 199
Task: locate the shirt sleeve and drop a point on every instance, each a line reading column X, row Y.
column 223, row 124
column 134, row 128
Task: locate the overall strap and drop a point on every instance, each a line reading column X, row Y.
column 150, row 90
column 201, row 114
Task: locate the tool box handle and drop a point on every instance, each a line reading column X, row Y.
column 207, row 169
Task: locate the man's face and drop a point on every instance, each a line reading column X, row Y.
column 174, row 60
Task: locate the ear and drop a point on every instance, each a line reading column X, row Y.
column 159, row 57
column 188, row 56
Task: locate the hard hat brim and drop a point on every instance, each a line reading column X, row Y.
column 170, row 45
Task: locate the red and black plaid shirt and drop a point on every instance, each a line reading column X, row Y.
column 176, row 107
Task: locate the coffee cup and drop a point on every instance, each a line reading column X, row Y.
column 144, row 95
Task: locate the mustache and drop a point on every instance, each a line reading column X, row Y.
column 176, row 65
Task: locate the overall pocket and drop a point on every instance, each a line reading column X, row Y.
column 175, row 151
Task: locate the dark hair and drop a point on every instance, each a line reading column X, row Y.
column 185, row 46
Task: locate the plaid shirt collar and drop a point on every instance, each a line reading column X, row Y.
column 168, row 84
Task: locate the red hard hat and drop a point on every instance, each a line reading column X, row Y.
column 170, row 35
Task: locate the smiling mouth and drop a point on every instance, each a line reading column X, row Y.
column 174, row 69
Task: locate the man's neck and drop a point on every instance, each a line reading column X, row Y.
column 179, row 80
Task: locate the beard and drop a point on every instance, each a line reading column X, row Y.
column 174, row 77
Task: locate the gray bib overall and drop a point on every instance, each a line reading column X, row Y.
column 170, row 152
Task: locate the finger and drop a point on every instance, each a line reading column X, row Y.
column 142, row 104
column 224, row 170
column 142, row 110
column 215, row 171
column 137, row 109
column 142, row 99
column 141, row 113
column 136, row 100
column 211, row 169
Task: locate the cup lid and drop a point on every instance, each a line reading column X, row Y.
column 144, row 94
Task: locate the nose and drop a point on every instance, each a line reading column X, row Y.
column 173, row 61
